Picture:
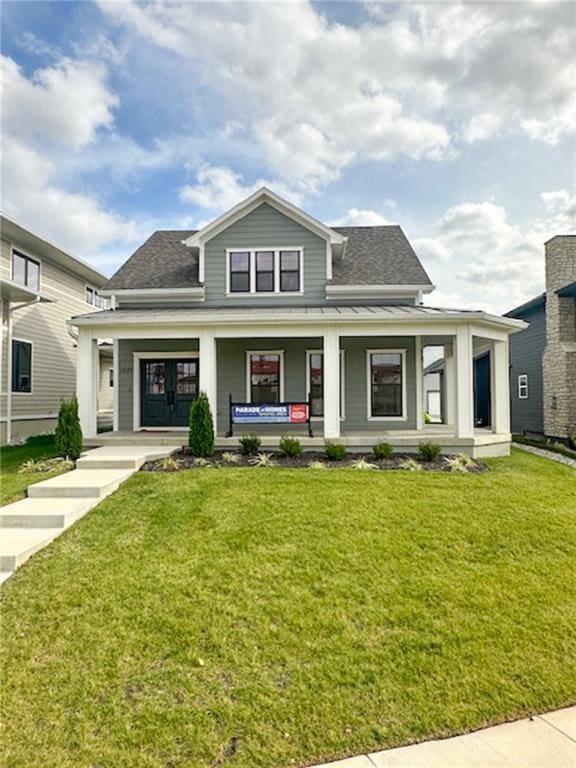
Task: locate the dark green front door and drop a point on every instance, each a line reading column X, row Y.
column 168, row 388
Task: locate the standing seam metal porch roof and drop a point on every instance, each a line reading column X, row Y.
column 251, row 314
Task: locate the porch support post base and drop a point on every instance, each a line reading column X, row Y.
column 331, row 384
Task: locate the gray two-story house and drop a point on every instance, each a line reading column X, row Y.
column 267, row 306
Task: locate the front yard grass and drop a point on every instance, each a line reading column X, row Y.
column 272, row 617
column 13, row 484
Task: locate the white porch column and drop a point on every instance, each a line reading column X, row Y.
column 419, row 374
column 464, row 383
column 207, row 352
column 331, row 384
column 116, row 389
column 87, row 382
column 449, row 386
column 500, row 387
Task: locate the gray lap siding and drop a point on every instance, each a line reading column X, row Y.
column 526, row 351
column 232, row 378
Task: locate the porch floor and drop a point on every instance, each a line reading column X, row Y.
column 403, row 439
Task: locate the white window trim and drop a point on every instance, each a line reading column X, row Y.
column 523, row 386
column 250, row 352
column 96, row 292
column 402, row 353
column 9, row 383
column 136, row 393
column 342, row 380
column 28, row 255
column 252, row 264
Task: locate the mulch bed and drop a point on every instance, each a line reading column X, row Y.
column 187, row 461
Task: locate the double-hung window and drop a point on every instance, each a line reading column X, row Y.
column 265, row 377
column 386, row 379
column 315, row 382
column 21, row 366
column 25, row 270
column 270, row 271
column 94, row 299
column 523, row 386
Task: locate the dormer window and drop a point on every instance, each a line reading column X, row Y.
column 270, row 271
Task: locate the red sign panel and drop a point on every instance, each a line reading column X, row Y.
column 298, row 413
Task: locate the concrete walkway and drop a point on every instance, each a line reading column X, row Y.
column 54, row 505
column 544, row 741
column 559, row 457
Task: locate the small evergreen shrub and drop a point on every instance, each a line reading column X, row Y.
column 290, row 447
column 68, row 435
column 249, row 444
column 334, row 451
column 429, row 450
column 201, row 434
column 382, row 450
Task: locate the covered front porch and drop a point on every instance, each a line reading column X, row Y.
column 361, row 372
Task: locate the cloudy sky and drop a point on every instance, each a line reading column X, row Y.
column 455, row 120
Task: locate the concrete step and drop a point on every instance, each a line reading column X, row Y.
column 44, row 513
column 18, row 544
column 80, row 484
column 122, row 456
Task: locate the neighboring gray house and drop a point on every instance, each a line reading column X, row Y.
column 270, row 309
column 543, row 356
column 41, row 287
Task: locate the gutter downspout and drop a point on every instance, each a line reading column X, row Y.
column 9, row 365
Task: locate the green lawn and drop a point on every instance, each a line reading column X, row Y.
column 12, row 484
column 273, row 617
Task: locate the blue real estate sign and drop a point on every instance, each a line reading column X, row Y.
column 283, row 413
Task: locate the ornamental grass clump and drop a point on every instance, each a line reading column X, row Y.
column 230, row 457
column 361, row 463
column 382, row 450
column 429, row 450
column 290, row 447
column 169, row 464
column 249, row 444
column 410, row 465
column 460, row 463
column 262, row 460
column 45, row 465
column 201, row 434
column 334, row 451
column 68, row 435
column 317, row 465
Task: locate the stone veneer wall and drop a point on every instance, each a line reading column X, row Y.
column 560, row 351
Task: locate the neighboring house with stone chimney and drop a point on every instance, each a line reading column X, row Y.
column 288, row 325
column 543, row 356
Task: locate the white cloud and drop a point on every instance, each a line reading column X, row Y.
column 66, row 103
column 316, row 97
column 481, row 127
column 358, row 217
column 484, row 259
column 219, row 188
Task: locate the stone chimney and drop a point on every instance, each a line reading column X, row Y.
column 559, row 365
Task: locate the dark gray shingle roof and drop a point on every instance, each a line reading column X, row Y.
column 374, row 256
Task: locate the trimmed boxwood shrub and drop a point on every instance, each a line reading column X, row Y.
column 201, row 434
column 250, row 444
column 382, row 450
column 334, row 451
column 68, row 435
column 290, row 446
column 429, row 450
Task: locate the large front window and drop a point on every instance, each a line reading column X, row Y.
column 271, row 271
column 264, row 377
column 25, row 270
column 386, row 384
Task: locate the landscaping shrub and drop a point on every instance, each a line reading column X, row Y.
column 427, row 418
column 334, row 451
column 45, row 465
column 382, row 450
column 262, row 460
column 249, row 444
column 460, row 463
column 429, row 450
column 229, row 457
column 546, row 445
column 201, row 435
column 68, row 435
column 290, row 447
column 169, row 464
column 410, row 465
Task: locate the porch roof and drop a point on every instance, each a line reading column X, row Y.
column 293, row 314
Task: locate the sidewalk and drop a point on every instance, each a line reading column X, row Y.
column 545, row 741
